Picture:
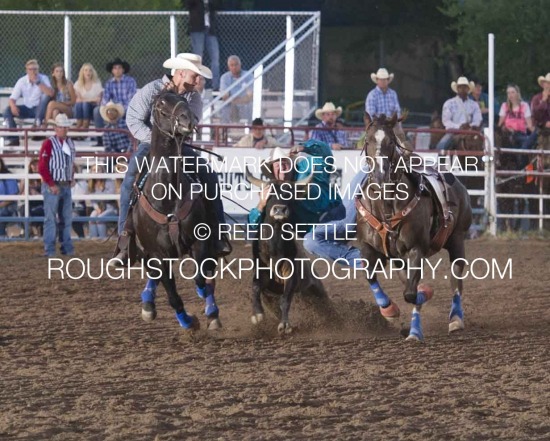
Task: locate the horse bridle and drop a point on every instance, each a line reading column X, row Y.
column 172, row 118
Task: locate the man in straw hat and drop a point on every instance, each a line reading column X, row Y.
column 336, row 139
column 185, row 70
column 540, row 104
column 119, row 89
column 113, row 113
column 382, row 100
column 56, row 167
column 315, row 157
column 459, row 112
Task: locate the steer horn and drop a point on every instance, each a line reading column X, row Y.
column 254, row 181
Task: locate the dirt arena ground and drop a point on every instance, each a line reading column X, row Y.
column 78, row 363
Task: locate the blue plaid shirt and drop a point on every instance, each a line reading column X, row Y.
column 378, row 103
column 116, row 141
column 119, row 91
column 330, row 136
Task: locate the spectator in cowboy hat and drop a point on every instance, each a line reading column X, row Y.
column 119, row 89
column 382, row 100
column 336, row 139
column 540, row 104
column 112, row 114
column 459, row 112
column 257, row 137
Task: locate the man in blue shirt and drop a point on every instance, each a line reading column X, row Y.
column 240, row 108
column 119, row 89
column 336, row 139
column 382, row 100
column 35, row 90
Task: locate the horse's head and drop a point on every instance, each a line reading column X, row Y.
column 385, row 148
column 172, row 115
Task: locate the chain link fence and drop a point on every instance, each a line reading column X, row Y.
column 144, row 40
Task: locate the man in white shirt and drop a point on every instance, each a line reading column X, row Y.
column 36, row 91
column 459, row 112
column 240, row 107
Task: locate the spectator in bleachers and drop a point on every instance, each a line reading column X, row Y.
column 240, row 107
column 89, row 91
column 101, row 208
column 482, row 100
column 336, row 139
column 113, row 116
column 120, row 89
column 35, row 90
column 36, row 208
column 57, row 157
column 64, row 98
column 8, row 187
column 257, row 137
column 79, row 206
column 515, row 120
column 382, row 100
column 540, row 104
column 203, row 30
column 459, row 112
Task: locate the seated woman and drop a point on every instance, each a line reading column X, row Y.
column 101, row 208
column 515, row 121
column 65, row 96
column 89, row 91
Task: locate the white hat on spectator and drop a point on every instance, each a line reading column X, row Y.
column 542, row 79
column 107, row 114
column 61, row 120
column 192, row 62
column 381, row 74
column 462, row 81
column 328, row 107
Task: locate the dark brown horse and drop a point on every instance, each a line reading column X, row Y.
column 430, row 211
column 167, row 213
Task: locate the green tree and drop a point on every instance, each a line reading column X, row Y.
column 521, row 39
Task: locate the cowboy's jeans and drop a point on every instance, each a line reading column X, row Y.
column 128, row 182
column 53, row 203
column 8, row 210
column 445, row 142
column 329, row 240
column 198, row 40
column 37, row 113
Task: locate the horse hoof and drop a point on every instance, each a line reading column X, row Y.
column 284, row 328
column 456, row 324
column 415, row 338
column 215, row 325
column 391, row 312
column 256, row 319
column 195, row 324
column 148, row 312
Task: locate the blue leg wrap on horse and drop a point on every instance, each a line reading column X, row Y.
column 456, row 307
column 421, row 298
column 211, row 309
column 416, row 326
column 380, row 296
column 201, row 292
column 184, row 320
column 148, row 294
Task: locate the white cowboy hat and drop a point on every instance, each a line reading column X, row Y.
column 61, row 120
column 109, row 106
column 462, row 81
column 546, row 78
column 277, row 154
column 381, row 74
column 188, row 61
column 328, row 107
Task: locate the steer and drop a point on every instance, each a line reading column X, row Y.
column 279, row 273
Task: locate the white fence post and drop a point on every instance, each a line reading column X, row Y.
column 289, row 73
column 257, row 95
column 173, row 36
column 490, row 160
column 67, row 61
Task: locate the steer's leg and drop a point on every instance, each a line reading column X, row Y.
column 290, row 286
